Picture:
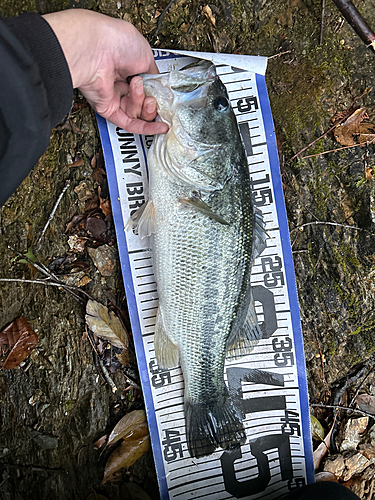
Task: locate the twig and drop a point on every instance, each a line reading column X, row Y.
column 339, row 149
column 360, row 385
column 280, row 54
column 161, row 17
column 322, row 22
column 44, row 270
column 101, row 364
column 322, row 405
column 195, row 18
column 320, row 137
column 36, row 247
column 357, row 22
column 325, row 223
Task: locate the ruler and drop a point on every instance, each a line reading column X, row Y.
column 269, row 384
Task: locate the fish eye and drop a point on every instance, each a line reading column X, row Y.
column 221, row 104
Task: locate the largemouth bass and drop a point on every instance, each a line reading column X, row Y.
column 205, row 237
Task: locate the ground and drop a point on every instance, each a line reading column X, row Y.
column 53, row 409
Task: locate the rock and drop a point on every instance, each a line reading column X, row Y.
column 104, row 258
column 352, row 434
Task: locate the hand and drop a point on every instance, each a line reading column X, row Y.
column 102, row 52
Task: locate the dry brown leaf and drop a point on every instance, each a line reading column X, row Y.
column 207, row 11
column 325, row 476
column 99, row 443
column 129, row 424
column 105, row 324
column 369, row 173
column 17, row 341
column 352, row 131
column 131, row 449
column 323, row 447
column 105, row 205
column 366, row 403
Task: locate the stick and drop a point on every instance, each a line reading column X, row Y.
column 327, row 223
column 357, row 22
column 322, row 22
column 161, row 17
column 36, row 248
column 371, row 415
column 339, row 149
column 321, row 137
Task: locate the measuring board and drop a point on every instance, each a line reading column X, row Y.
column 269, row 385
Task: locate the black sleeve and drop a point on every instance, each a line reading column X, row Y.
column 36, row 93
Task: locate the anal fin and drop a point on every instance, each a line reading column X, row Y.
column 166, row 352
column 242, row 341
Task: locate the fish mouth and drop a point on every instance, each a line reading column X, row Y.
column 187, row 86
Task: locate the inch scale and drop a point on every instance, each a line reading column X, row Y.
column 269, row 384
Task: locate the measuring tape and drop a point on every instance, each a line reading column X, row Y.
column 268, row 385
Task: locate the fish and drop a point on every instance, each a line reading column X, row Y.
column 205, row 236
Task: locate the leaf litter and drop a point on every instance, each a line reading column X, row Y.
column 105, row 324
column 17, row 341
column 132, row 429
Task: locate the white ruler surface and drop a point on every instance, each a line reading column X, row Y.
column 269, row 385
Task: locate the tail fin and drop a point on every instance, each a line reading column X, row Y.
column 210, row 427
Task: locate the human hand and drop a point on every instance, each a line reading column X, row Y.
column 102, row 52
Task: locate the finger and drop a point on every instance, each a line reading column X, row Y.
column 135, row 125
column 133, row 103
column 121, row 88
column 149, row 109
column 153, row 69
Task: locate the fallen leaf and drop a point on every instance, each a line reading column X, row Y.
column 76, row 243
column 207, row 11
column 317, row 431
column 135, row 444
column 366, row 403
column 323, row 447
column 100, row 442
column 325, row 476
column 105, row 205
column 352, row 131
column 17, row 341
column 29, row 254
column 105, row 324
column 369, row 173
column 128, row 425
column 97, row 228
column 77, row 163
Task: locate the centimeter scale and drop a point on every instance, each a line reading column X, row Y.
column 270, row 383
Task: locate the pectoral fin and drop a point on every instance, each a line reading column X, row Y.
column 166, row 351
column 203, row 208
column 143, row 221
column 241, row 341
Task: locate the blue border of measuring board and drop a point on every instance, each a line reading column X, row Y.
column 289, row 271
column 132, row 306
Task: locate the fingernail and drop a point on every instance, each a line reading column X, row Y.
column 138, row 87
column 151, row 107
